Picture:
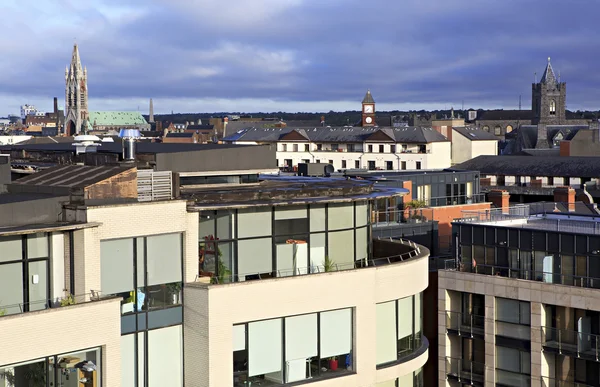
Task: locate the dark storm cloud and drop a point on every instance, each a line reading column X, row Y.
column 419, row 52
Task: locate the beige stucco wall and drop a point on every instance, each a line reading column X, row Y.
column 440, row 156
column 537, row 293
column 211, row 311
column 30, row 336
column 132, row 220
column 461, row 148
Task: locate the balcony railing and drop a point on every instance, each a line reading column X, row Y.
column 512, row 379
column 465, row 323
column 532, row 275
column 551, row 382
column 67, row 300
column 465, row 371
column 572, row 343
column 414, row 250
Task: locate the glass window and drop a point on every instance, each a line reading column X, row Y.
column 38, row 285
column 78, row 365
column 317, row 218
column 341, row 249
column 300, row 345
column 11, row 288
column 512, row 311
column 335, row 328
column 290, row 212
column 11, row 248
column 265, row 347
column 361, row 243
column 386, row 333
column 207, row 224
column 255, row 256
column 254, row 222
column 406, row 320
column 165, row 357
column 317, row 252
column 340, row 216
column 225, row 226
column 362, row 214
column 116, row 266
column 164, row 258
column 37, row 245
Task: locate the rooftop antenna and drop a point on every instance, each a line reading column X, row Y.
column 535, row 77
column 558, row 76
column 519, row 102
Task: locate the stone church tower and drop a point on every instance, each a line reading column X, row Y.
column 76, row 95
column 549, row 99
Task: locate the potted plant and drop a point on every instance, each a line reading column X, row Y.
column 333, row 363
column 174, row 289
column 328, row 265
column 68, row 300
column 2, row 312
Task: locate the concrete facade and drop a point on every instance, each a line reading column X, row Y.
column 212, row 310
column 39, row 334
column 464, row 149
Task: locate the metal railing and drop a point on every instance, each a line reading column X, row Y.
column 323, row 268
column 59, row 302
column 465, row 323
column 407, row 216
column 580, row 344
column 466, row 370
column 531, row 275
column 551, row 382
column 512, row 379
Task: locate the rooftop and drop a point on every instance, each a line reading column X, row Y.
column 339, row 134
column 539, row 216
column 286, row 190
column 116, row 118
column 475, row 134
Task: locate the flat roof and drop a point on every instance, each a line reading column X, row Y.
column 49, row 227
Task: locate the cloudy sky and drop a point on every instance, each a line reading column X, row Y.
column 297, row 55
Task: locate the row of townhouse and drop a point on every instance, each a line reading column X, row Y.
column 372, row 148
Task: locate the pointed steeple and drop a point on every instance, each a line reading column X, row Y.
column 548, row 77
column 75, row 66
column 368, row 98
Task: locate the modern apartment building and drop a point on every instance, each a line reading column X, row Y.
column 519, row 303
column 228, row 279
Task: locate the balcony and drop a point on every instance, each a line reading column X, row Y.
column 531, row 275
column 571, row 343
column 463, row 324
column 67, row 300
column 406, row 250
column 512, row 379
column 551, row 382
column 465, row 371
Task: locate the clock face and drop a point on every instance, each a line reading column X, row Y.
column 368, row 108
column 368, row 120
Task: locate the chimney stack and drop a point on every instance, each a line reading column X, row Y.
column 565, row 195
column 500, row 199
column 151, row 112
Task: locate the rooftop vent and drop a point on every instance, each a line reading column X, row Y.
column 86, row 144
column 129, row 136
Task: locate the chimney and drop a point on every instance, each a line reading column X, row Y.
column 56, row 106
column 565, row 195
column 151, row 112
column 500, row 199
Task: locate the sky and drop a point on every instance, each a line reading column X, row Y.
column 298, row 55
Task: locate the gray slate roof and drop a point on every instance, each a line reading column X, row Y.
column 548, row 77
column 368, row 98
column 534, row 166
column 340, row 135
column 494, row 115
column 475, row 134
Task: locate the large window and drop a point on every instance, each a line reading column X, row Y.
column 399, row 326
column 513, row 366
column 24, row 277
column 57, row 370
column 513, row 311
column 265, row 242
column 291, row 349
column 145, row 271
column 152, row 358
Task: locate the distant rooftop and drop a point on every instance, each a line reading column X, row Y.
column 116, row 118
column 582, row 219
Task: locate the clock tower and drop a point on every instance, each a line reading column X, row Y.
column 368, row 110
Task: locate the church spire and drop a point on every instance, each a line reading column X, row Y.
column 75, row 60
column 548, row 77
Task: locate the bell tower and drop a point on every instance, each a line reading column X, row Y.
column 76, row 95
column 549, row 99
column 368, row 110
